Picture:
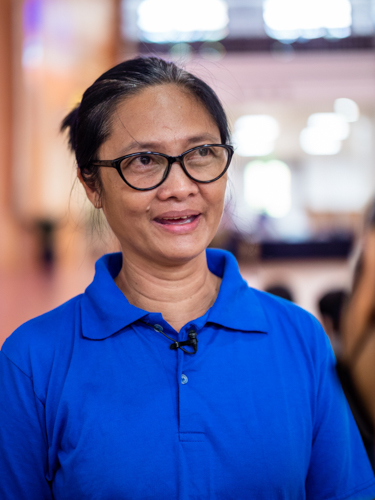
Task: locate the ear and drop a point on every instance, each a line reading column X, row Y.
column 92, row 194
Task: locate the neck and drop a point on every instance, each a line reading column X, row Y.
column 181, row 293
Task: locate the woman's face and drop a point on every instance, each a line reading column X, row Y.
column 174, row 222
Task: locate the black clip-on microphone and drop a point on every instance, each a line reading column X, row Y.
column 192, row 341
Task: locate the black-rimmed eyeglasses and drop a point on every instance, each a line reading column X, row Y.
column 147, row 170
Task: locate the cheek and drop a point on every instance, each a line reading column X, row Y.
column 216, row 196
column 124, row 208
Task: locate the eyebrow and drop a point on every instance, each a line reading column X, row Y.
column 136, row 146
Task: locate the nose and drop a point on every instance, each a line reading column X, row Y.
column 177, row 185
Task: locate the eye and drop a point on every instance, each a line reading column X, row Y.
column 200, row 154
column 145, row 160
column 143, row 163
column 204, row 151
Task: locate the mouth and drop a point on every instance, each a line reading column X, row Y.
column 179, row 221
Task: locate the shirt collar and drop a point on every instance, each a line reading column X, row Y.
column 105, row 310
column 237, row 305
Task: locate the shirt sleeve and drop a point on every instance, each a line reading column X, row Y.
column 339, row 467
column 23, row 442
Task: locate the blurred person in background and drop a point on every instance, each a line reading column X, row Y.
column 280, row 290
column 359, row 324
column 170, row 378
column 330, row 307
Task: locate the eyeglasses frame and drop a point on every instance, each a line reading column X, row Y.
column 171, row 159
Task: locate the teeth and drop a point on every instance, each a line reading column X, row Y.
column 177, row 218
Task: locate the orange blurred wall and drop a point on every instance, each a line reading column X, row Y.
column 8, row 225
column 44, row 68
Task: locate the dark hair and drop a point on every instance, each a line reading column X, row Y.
column 331, row 305
column 89, row 123
column 370, row 215
column 280, row 291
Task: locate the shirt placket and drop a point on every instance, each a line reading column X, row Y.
column 190, row 424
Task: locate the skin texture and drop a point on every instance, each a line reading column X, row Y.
column 164, row 267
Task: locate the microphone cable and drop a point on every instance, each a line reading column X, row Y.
column 192, row 341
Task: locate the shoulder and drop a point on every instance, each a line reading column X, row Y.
column 293, row 327
column 279, row 309
column 37, row 341
column 241, row 307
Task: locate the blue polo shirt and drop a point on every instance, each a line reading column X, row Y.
column 95, row 405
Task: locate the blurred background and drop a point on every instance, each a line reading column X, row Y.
column 297, row 79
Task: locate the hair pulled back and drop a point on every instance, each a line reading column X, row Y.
column 89, row 123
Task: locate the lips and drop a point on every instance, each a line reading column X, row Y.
column 177, row 218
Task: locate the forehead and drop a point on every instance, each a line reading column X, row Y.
column 160, row 114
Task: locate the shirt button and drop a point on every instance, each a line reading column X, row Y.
column 184, row 379
column 158, row 328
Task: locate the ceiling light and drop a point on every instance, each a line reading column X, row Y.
column 333, row 125
column 347, row 108
column 181, row 21
column 315, row 141
column 291, row 19
column 255, row 135
column 267, row 187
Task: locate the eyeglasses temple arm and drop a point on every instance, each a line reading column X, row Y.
column 103, row 163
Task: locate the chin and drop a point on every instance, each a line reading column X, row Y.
column 181, row 253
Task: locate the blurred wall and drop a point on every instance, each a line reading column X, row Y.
column 8, row 224
column 50, row 53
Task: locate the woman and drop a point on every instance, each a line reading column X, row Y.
column 169, row 378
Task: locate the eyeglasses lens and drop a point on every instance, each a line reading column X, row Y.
column 144, row 171
column 205, row 164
